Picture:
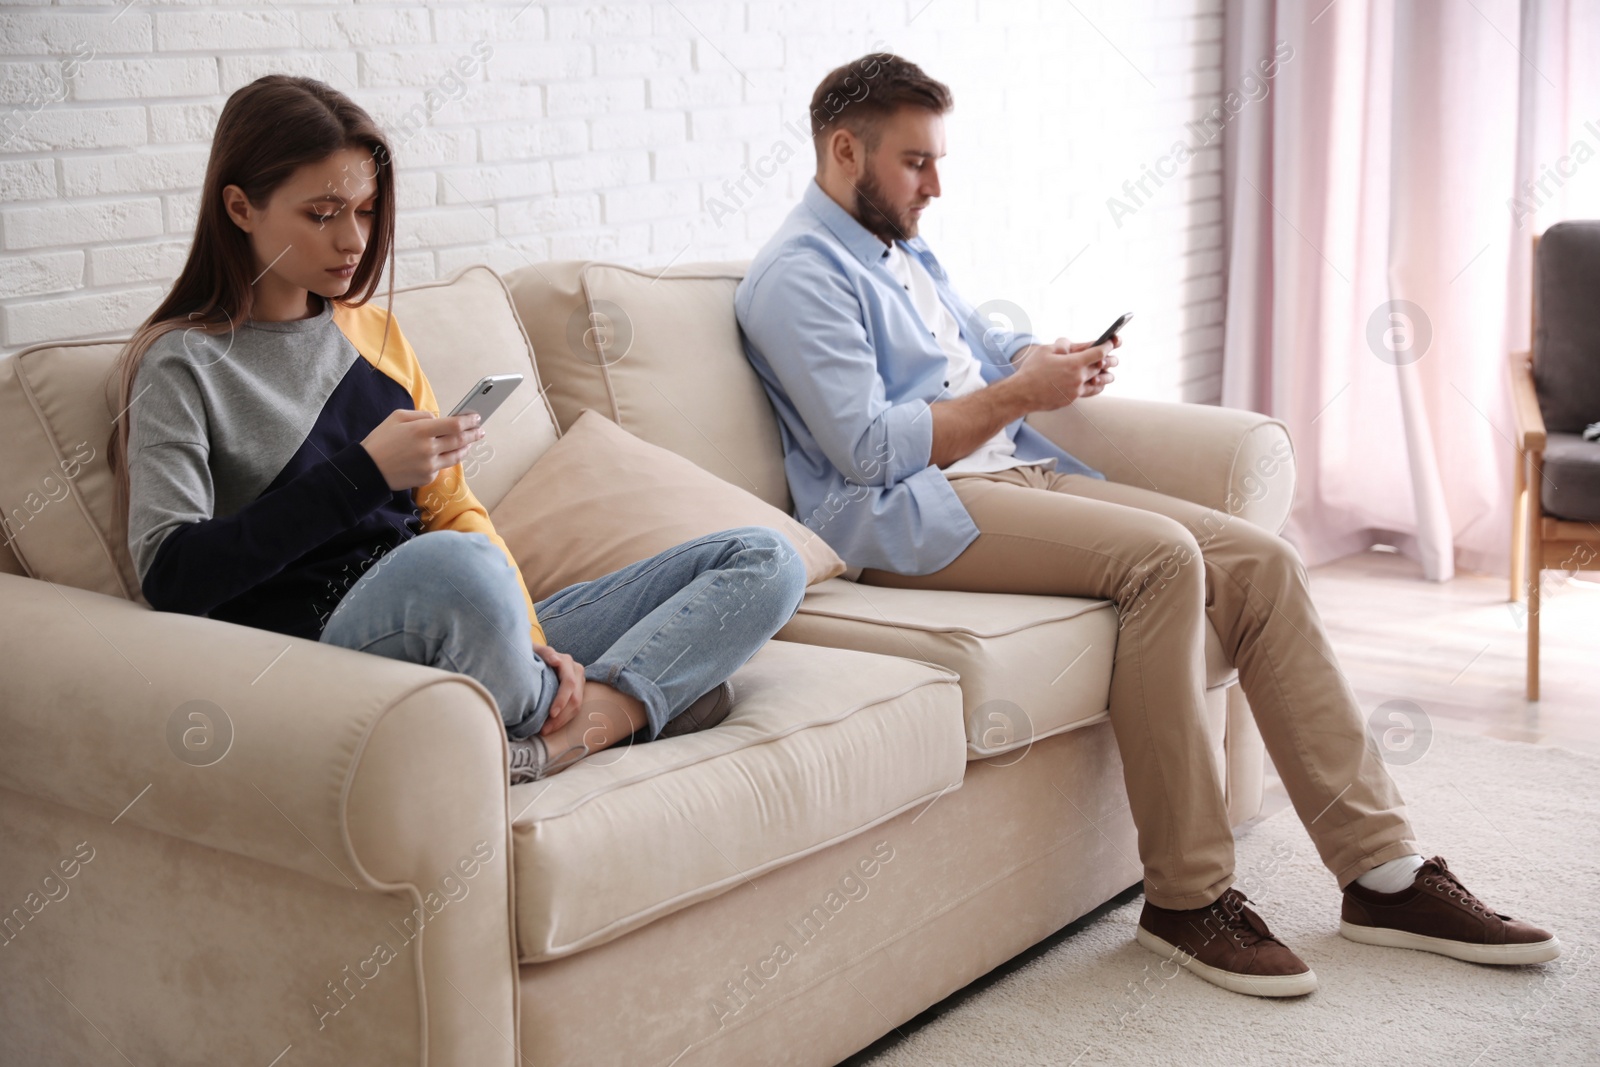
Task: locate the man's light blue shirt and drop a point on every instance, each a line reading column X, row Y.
column 851, row 369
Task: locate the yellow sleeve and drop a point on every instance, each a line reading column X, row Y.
column 446, row 502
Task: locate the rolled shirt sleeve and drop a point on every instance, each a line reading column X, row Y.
column 1015, row 343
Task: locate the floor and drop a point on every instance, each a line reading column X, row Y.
column 1458, row 648
column 1451, row 655
column 1424, row 656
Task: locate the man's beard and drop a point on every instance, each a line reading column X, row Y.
column 874, row 212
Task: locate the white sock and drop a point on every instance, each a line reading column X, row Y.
column 1393, row 876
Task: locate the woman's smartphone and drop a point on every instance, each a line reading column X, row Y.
column 1113, row 329
column 487, row 396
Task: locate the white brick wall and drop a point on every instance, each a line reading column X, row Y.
column 638, row 130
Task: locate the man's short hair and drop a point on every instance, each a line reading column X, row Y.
column 861, row 94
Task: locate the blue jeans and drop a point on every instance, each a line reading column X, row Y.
column 664, row 630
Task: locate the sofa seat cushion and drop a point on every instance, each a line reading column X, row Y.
column 1030, row 666
column 821, row 744
column 1570, row 488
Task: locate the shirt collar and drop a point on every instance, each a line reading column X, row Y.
column 862, row 242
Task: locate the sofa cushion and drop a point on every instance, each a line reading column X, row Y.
column 1030, row 666
column 55, row 478
column 658, row 353
column 1566, row 338
column 462, row 329
column 56, row 407
column 600, row 499
column 821, row 745
column 1570, row 488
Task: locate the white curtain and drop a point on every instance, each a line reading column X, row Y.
column 1378, row 237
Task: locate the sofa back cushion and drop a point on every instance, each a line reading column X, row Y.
column 56, row 407
column 57, row 402
column 1566, row 342
column 463, row 329
column 658, row 353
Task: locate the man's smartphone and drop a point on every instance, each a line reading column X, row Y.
column 1113, row 330
column 485, row 397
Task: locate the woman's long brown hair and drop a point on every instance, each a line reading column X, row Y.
column 268, row 130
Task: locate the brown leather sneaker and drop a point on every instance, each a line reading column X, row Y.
column 1437, row 914
column 1227, row 944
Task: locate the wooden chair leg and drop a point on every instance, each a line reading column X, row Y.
column 1535, row 573
column 1533, row 638
column 1519, row 505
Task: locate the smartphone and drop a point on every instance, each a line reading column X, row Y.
column 487, row 396
column 1113, row 329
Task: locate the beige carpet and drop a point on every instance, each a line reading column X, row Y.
column 1519, row 823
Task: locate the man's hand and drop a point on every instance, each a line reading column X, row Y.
column 569, row 694
column 1053, row 376
column 1047, row 377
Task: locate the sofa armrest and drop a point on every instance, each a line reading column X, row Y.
column 1239, row 462
column 366, row 773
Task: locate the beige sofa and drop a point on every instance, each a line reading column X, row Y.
column 224, row 845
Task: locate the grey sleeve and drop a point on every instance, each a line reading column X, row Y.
column 169, row 447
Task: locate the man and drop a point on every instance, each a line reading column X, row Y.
column 906, row 449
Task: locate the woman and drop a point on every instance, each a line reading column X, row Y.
column 279, row 457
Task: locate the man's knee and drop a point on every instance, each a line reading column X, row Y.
column 1261, row 562
column 1170, row 548
column 1280, row 560
column 1165, row 562
column 1265, row 549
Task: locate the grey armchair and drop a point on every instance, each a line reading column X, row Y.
column 1555, row 513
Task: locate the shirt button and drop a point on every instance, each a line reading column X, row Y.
column 947, row 385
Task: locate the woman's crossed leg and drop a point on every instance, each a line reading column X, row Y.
column 650, row 637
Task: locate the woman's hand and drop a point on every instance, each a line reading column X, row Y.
column 569, row 695
column 410, row 447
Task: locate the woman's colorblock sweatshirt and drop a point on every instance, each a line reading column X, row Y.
column 252, row 498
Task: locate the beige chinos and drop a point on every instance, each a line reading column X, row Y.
column 1165, row 561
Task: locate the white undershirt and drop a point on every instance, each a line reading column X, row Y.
column 962, row 371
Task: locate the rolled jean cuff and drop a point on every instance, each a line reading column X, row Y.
column 636, row 685
column 535, row 716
